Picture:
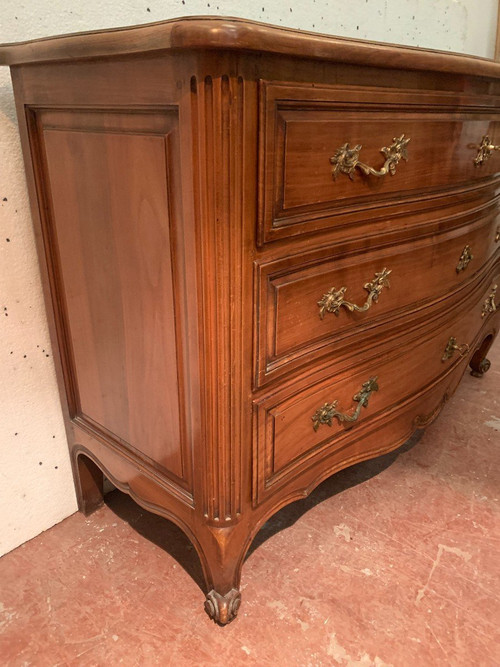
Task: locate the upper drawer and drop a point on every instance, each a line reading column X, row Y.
column 304, row 128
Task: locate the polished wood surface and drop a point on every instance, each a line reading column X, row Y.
column 303, row 127
column 286, row 439
column 210, row 32
column 111, row 212
column 290, row 326
column 188, row 223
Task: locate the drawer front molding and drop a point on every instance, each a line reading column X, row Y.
column 294, row 327
column 283, row 452
column 303, row 128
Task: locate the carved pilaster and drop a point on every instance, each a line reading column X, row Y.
column 218, row 119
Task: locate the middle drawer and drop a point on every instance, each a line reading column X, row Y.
column 305, row 303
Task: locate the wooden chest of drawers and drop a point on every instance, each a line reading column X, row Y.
column 267, row 255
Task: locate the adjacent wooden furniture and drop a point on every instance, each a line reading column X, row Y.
column 497, row 37
column 267, row 255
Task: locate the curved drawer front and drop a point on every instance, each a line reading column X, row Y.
column 304, row 306
column 328, row 151
column 296, row 428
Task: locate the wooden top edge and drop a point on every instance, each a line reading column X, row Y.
column 205, row 32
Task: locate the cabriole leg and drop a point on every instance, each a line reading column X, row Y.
column 481, row 368
column 89, row 481
column 223, row 553
column 479, row 363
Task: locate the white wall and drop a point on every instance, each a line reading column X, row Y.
column 36, row 488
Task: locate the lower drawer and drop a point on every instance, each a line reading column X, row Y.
column 294, row 427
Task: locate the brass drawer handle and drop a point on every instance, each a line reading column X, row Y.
column 328, row 412
column 489, row 305
column 346, row 159
column 484, row 151
column 333, row 300
column 497, row 235
column 465, row 258
column 451, row 347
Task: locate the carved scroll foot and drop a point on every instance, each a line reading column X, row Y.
column 478, row 362
column 223, row 608
column 478, row 370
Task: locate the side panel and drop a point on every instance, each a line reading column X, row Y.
column 112, row 216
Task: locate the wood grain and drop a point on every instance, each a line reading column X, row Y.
column 187, row 224
column 288, row 314
column 217, row 33
column 289, row 441
column 303, row 127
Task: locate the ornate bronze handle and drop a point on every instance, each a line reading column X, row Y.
column 465, row 258
column 484, row 150
column 333, row 300
column 497, row 235
column 489, row 305
column 328, row 412
column 453, row 346
column 346, row 159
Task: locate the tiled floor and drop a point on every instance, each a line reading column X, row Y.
column 392, row 562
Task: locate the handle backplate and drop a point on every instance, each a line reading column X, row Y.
column 328, row 412
column 333, row 300
column 465, row 258
column 485, row 151
column 346, row 160
column 452, row 346
column 489, row 305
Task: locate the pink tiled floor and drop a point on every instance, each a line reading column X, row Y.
column 392, row 562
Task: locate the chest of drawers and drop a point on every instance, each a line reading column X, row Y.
column 267, row 255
